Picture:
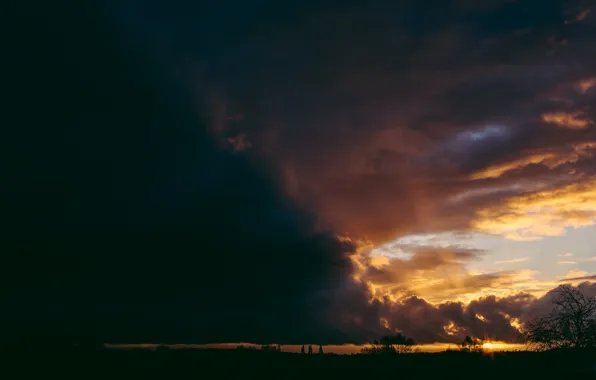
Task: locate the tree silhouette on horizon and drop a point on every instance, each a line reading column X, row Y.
column 571, row 323
column 470, row 344
column 393, row 344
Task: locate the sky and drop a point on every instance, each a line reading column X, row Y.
column 255, row 172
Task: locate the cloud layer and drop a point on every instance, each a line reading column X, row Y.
column 182, row 173
column 430, row 120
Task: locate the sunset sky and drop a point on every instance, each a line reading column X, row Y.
column 266, row 172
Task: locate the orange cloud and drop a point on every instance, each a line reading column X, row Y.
column 566, row 262
column 498, row 170
column 452, row 329
column 567, row 120
column 514, row 322
column 439, row 274
column 566, row 155
column 574, row 273
column 546, row 213
column 585, row 148
column 586, row 84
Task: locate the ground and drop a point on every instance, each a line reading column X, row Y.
column 188, row 364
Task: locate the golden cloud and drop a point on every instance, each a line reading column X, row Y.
column 546, row 213
column 573, row 274
column 586, row 84
column 585, row 148
column 360, row 258
column 567, row 120
column 452, row 329
column 441, row 276
column 502, row 284
column 500, row 169
column 568, row 155
column 513, row 322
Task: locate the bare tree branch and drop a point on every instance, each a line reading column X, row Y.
column 571, row 324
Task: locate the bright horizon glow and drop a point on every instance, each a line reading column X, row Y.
column 344, row 349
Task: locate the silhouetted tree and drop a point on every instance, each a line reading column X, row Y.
column 402, row 344
column 302, row 349
column 310, row 349
column 571, row 324
column 471, row 344
column 394, row 344
column 321, row 350
column 375, row 348
column 269, row 348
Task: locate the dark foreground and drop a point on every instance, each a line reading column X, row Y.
column 214, row 364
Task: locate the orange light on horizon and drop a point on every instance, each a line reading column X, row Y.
column 343, row 349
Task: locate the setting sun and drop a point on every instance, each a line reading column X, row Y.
column 487, row 346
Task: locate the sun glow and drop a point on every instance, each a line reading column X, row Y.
column 502, row 346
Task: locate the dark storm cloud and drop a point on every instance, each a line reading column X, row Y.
column 126, row 222
column 543, row 305
column 486, row 318
column 489, row 318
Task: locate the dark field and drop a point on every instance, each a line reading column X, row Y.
column 205, row 363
